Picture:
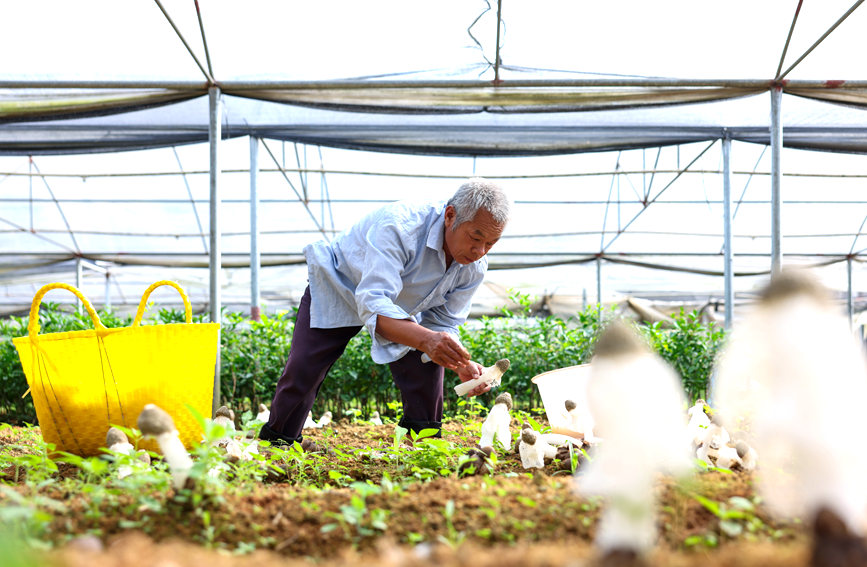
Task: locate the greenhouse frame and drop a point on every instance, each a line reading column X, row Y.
column 232, row 141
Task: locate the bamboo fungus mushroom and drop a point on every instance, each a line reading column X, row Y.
column 154, row 422
column 264, row 414
column 794, row 371
column 637, row 400
column 531, row 450
column 478, row 462
column 496, row 424
column 117, row 442
column 490, row 375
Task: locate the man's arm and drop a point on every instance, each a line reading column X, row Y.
column 442, row 347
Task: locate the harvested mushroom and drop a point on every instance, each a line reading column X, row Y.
column 491, row 376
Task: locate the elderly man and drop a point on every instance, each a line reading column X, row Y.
column 407, row 272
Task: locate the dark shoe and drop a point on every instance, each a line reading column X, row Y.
column 276, row 438
column 419, row 425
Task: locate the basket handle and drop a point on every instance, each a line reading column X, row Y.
column 188, row 312
column 33, row 324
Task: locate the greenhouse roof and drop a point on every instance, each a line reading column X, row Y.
column 604, row 122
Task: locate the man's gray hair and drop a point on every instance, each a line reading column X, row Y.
column 476, row 194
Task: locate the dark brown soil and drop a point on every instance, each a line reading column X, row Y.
column 510, row 517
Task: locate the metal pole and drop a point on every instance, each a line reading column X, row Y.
column 255, row 298
column 107, row 302
column 776, row 177
column 850, row 308
column 727, row 228
column 79, row 274
column 215, row 259
column 599, row 280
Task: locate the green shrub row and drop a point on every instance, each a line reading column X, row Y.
column 253, row 354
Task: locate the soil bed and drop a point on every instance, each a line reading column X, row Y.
column 315, row 513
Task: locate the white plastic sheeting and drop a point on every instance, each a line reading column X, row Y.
column 317, row 79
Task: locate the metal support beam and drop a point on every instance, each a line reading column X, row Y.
column 215, row 254
column 776, row 200
column 850, row 308
column 727, row 229
column 107, row 302
column 255, row 260
column 599, row 280
column 79, row 276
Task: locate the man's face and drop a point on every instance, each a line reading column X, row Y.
column 471, row 240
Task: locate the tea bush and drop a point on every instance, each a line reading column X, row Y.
column 253, row 354
column 691, row 347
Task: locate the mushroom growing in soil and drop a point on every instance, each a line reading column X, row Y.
column 154, row 422
column 478, row 462
column 117, row 441
column 532, row 450
column 264, row 414
column 324, row 420
column 495, row 428
column 637, row 399
column 226, row 418
column 794, row 371
column 375, row 419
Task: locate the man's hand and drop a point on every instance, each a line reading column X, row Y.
column 471, row 371
column 445, row 350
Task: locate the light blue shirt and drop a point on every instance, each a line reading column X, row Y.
column 391, row 263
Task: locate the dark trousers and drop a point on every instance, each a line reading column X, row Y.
column 311, row 355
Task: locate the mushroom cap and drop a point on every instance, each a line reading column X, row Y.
column 224, row 411
column 328, row 413
column 153, row 421
column 570, row 405
column 504, row 398
column 618, row 339
column 502, row 364
column 115, row 436
column 263, row 407
column 793, row 282
column 526, row 425
column 528, row 436
column 375, row 414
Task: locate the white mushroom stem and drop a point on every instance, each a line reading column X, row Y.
column 531, row 450
column 264, row 414
column 156, row 423
column 496, row 424
column 490, row 375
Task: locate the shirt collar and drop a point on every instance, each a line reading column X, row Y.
column 437, row 231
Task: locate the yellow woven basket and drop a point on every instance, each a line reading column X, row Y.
column 83, row 382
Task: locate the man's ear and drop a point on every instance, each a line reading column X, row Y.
column 450, row 216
